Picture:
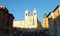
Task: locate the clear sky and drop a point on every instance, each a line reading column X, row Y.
column 18, row 7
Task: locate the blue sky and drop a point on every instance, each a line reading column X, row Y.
column 17, row 7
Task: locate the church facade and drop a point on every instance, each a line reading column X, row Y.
column 30, row 20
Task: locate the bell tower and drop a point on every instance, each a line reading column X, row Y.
column 35, row 16
column 26, row 17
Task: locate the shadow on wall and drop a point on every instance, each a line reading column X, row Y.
column 54, row 26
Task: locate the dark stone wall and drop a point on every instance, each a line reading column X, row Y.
column 28, row 32
column 6, row 21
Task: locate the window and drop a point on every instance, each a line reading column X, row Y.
column 45, row 20
column 54, row 15
column 26, row 14
column 45, row 24
column 34, row 13
column 58, row 11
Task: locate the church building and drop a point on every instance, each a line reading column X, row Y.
column 30, row 20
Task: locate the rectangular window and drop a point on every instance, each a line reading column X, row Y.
column 45, row 24
column 58, row 11
column 54, row 15
column 2, row 21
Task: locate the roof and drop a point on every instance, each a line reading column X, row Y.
column 11, row 15
column 48, row 14
column 56, row 8
column 53, row 10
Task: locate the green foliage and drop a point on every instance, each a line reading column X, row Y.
column 39, row 24
column 44, row 15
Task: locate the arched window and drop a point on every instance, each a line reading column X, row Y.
column 26, row 14
column 34, row 13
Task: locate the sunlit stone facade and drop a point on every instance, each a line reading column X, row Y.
column 30, row 20
column 52, row 18
column 53, row 22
